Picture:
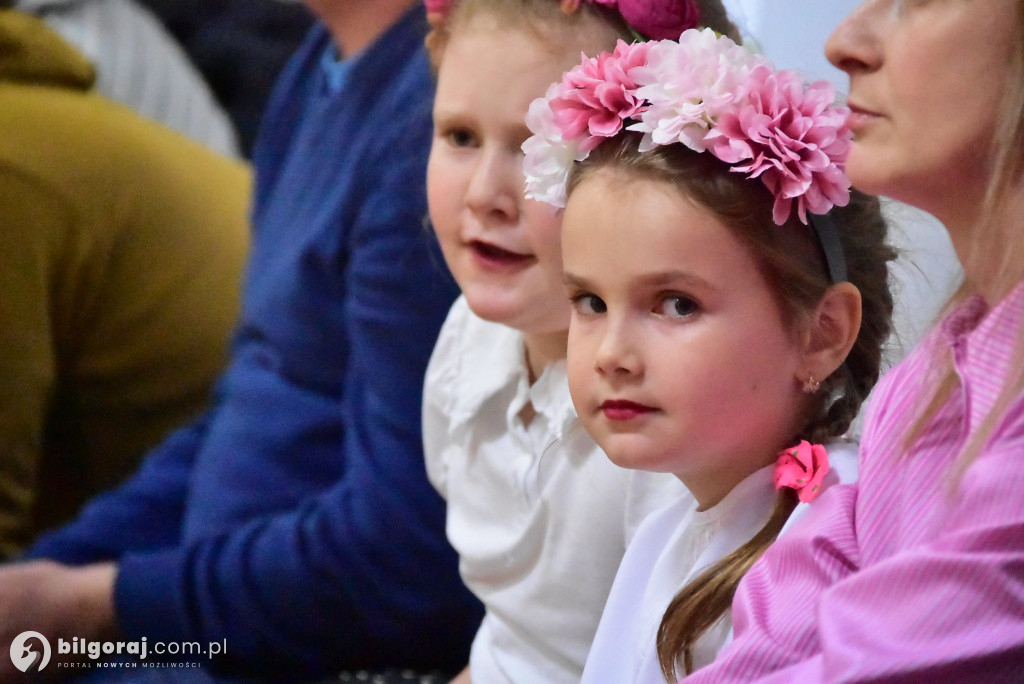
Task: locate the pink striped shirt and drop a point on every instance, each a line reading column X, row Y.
column 906, row 576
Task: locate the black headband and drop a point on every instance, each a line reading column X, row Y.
column 828, row 238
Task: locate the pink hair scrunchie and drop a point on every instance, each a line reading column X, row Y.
column 802, row 468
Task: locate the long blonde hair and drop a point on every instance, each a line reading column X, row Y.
column 995, row 261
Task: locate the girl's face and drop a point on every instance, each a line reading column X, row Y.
column 503, row 249
column 678, row 357
column 926, row 81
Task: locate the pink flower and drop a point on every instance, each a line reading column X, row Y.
column 653, row 19
column 658, row 19
column 705, row 92
column 438, row 6
column 802, row 468
column 598, row 95
column 794, row 139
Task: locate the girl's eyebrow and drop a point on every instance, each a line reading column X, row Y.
column 662, row 278
column 575, row 281
column 658, row 279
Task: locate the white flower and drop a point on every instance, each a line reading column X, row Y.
column 548, row 158
column 688, row 84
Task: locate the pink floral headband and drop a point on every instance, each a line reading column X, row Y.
column 709, row 94
column 652, row 19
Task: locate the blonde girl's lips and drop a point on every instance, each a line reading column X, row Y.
column 621, row 410
column 497, row 257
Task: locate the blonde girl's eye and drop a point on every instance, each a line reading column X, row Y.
column 460, row 137
column 587, row 304
column 676, row 306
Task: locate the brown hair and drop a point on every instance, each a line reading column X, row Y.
column 548, row 13
column 791, row 261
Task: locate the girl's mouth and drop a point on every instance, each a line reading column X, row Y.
column 619, row 409
column 494, row 256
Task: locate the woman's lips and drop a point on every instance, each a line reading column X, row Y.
column 860, row 117
column 619, row 409
column 497, row 257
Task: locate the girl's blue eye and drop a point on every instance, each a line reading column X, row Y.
column 676, row 306
column 588, row 304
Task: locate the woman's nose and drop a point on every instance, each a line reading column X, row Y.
column 854, row 46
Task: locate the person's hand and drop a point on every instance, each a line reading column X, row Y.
column 58, row 602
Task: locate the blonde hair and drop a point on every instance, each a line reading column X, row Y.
column 995, row 261
column 542, row 14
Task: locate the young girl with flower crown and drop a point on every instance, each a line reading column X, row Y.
column 730, row 302
column 537, row 513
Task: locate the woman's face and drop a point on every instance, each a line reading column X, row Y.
column 926, row 85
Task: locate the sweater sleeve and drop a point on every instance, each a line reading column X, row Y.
column 360, row 574
column 143, row 513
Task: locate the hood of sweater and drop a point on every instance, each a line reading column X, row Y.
column 32, row 53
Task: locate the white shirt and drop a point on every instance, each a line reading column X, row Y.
column 670, row 549
column 538, row 514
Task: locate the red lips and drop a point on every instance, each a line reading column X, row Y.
column 618, row 409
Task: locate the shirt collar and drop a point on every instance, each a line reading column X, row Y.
column 335, row 68
column 984, row 342
column 493, row 361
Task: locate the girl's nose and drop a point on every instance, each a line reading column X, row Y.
column 617, row 354
column 494, row 189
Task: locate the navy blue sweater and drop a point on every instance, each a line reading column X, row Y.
column 294, row 519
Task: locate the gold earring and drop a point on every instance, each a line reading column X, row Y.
column 811, row 385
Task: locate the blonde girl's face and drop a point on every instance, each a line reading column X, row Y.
column 678, row 357
column 502, row 248
column 926, row 82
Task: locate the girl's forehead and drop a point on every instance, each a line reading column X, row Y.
column 559, row 33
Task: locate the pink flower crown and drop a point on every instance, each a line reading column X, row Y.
column 652, row 19
column 709, row 94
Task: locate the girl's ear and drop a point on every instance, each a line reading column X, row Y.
column 833, row 329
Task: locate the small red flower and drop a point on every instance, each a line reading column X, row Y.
column 802, row 468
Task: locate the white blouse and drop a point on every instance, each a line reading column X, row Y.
column 539, row 515
column 670, row 549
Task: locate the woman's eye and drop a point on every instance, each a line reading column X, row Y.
column 588, row 304
column 677, row 307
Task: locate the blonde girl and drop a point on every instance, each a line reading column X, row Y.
column 538, row 515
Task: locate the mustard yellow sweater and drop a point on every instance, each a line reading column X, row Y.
column 121, row 250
